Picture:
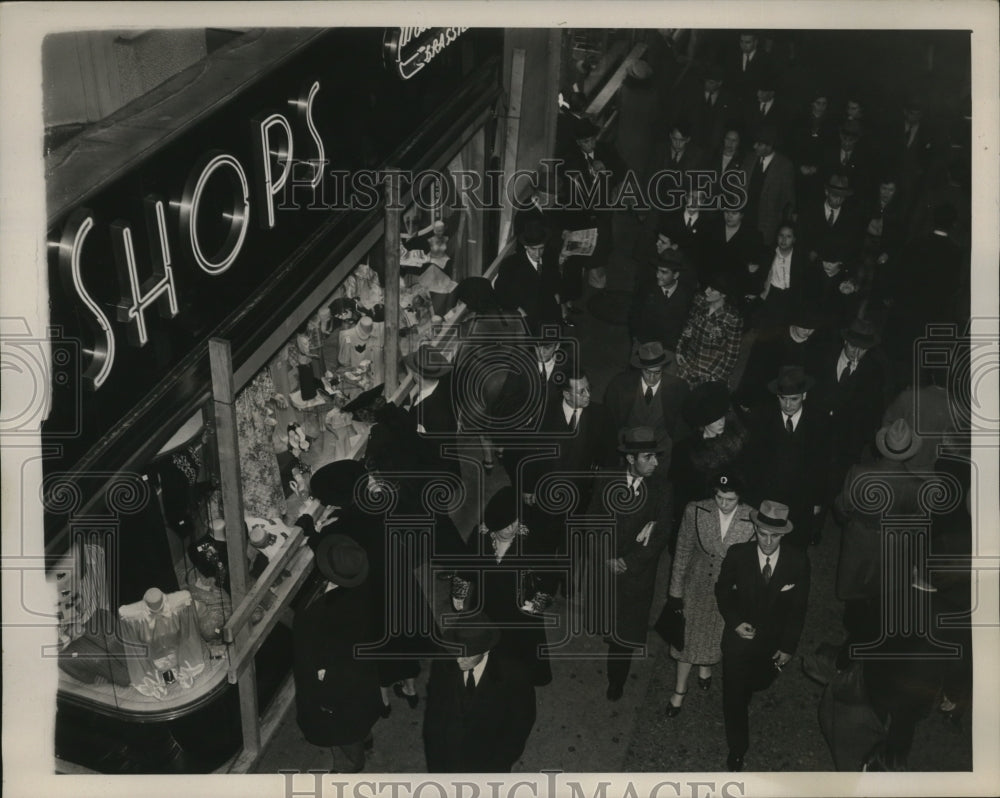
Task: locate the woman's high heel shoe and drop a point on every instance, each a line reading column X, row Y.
column 412, row 700
column 673, row 710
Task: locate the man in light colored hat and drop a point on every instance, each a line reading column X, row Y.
column 860, row 567
column 480, row 704
column 636, row 503
column 762, row 591
column 649, row 394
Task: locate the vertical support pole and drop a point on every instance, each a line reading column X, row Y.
column 224, row 396
column 474, row 158
column 393, row 214
column 510, row 148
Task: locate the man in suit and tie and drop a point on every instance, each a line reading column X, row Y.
column 480, row 705
column 636, row 503
column 853, row 389
column 762, row 591
column 527, row 281
column 649, row 394
column 431, row 409
column 660, row 303
column 787, row 447
column 686, row 229
column 712, row 108
column 582, row 434
column 849, row 157
column 832, row 221
column 746, row 65
column 765, row 108
column 770, row 186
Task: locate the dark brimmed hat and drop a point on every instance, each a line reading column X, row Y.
column 714, row 72
column 706, row 403
column 632, row 440
column 772, row 517
column 585, row 128
column 792, row 380
column 428, row 361
column 334, row 483
column 501, row 510
column 766, row 134
column 719, row 279
column 765, row 80
column 728, row 481
column 897, row 441
column 651, row 355
column 832, row 250
column 531, row 232
column 805, row 315
column 475, row 632
column 839, row 184
column 341, row 560
column 861, row 332
column 477, row 293
column 365, row 400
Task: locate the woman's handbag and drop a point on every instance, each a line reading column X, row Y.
column 670, row 625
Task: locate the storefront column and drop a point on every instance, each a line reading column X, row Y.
column 224, row 395
column 393, row 213
column 471, row 263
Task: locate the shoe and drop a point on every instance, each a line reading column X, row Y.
column 412, row 700
column 705, row 684
column 568, row 322
column 673, row 710
column 615, row 692
column 386, row 710
column 488, row 466
column 734, row 764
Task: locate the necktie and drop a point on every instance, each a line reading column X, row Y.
column 746, row 60
column 762, row 166
column 690, row 222
column 470, row 682
column 677, row 157
column 649, row 395
column 541, row 372
column 829, row 219
column 766, row 573
column 788, row 424
column 763, row 106
column 574, row 420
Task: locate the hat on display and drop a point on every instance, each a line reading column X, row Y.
column 651, row 355
column 474, row 632
column 633, row 440
column 341, row 560
column 897, row 441
column 501, row 510
column 791, row 381
column 428, row 361
column 335, row 482
column 860, row 332
column 365, row 328
column 706, row 403
column 772, row 517
column 839, row 184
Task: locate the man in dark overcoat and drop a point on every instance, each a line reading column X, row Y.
column 637, row 502
column 480, row 706
column 649, row 394
column 336, row 695
column 762, row 592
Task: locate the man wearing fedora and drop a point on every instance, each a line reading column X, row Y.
column 833, row 221
column 770, row 185
column 648, row 394
column 860, row 567
column 431, row 407
column 787, row 449
column 636, row 504
column 712, row 108
column 661, row 301
column 762, row 591
column 480, row 705
column 336, row 694
column 799, row 343
column 853, row 389
column 848, row 156
column 527, row 280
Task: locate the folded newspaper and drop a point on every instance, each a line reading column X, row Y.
column 580, row 242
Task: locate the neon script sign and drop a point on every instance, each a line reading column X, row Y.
column 408, row 50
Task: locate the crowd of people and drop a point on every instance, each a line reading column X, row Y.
column 769, row 394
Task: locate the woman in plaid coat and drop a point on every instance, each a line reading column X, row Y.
column 710, row 344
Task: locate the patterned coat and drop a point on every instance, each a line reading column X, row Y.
column 697, row 560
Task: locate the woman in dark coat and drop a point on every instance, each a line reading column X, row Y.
column 336, row 695
column 715, row 444
column 492, row 579
column 701, row 546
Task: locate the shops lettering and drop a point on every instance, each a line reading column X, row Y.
column 273, row 152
